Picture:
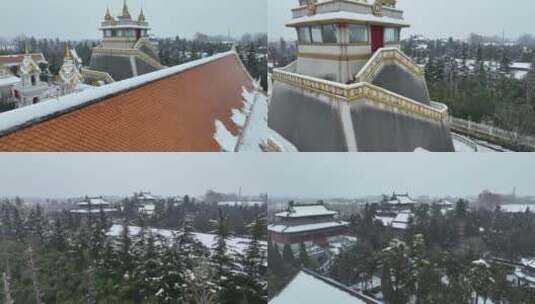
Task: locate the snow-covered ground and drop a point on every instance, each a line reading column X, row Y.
column 517, row 208
column 236, row 245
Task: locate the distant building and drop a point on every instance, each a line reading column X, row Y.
column 145, row 203
column 310, row 224
column 126, row 50
column 308, row 287
column 399, row 202
column 526, row 275
column 14, row 62
column 93, row 206
column 7, row 84
column 31, row 89
column 70, row 78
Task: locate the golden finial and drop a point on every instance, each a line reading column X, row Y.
column 67, row 54
column 141, row 16
column 108, row 16
column 126, row 13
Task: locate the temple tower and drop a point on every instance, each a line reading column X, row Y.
column 351, row 87
column 69, row 74
column 336, row 38
column 126, row 50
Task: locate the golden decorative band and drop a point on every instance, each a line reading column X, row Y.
column 362, row 91
column 370, row 70
column 334, row 57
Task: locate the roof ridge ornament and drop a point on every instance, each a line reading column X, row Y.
column 126, row 13
column 377, row 7
column 312, row 7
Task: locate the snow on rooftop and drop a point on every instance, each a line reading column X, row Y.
column 305, row 211
column 341, row 15
column 27, row 115
column 9, row 81
column 307, row 227
column 92, row 211
column 241, row 203
column 256, row 130
column 93, row 202
column 306, row 288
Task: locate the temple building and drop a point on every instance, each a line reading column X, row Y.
column 351, row 87
column 92, row 206
column 126, row 50
column 525, row 275
column 70, row 78
column 310, row 224
column 170, row 110
column 7, row 84
column 30, row 90
column 312, row 288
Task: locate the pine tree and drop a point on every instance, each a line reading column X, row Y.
column 254, row 285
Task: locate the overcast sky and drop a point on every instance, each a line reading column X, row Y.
column 438, row 18
column 77, row 19
column 299, row 175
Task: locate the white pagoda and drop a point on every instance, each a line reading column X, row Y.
column 69, row 75
column 351, row 87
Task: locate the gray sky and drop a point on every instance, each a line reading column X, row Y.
column 437, row 18
column 298, row 175
column 77, row 19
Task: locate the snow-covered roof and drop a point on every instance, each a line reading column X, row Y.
column 314, row 289
column 306, row 211
column 347, row 17
column 528, row 262
column 307, row 227
column 15, row 60
column 123, row 116
column 401, row 199
column 520, row 65
column 241, row 203
column 92, row 211
column 94, row 202
column 8, row 81
column 254, row 118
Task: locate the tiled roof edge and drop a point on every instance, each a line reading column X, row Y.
column 14, row 120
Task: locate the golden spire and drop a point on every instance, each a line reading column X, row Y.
column 26, row 48
column 141, row 16
column 126, row 13
column 67, row 54
column 108, row 16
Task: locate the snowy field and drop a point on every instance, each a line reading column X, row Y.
column 236, row 245
column 517, row 208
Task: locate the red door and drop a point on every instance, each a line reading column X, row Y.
column 377, row 37
column 138, row 34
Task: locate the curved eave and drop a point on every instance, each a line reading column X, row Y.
column 347, row 17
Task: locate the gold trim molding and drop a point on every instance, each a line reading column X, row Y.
column 334, row 57
column 362, row 91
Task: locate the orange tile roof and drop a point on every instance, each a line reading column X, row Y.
column 17, row 59
column 175, row 113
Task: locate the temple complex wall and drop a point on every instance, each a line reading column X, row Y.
column 316, row 122
column 379, row 129
column 325, row 68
